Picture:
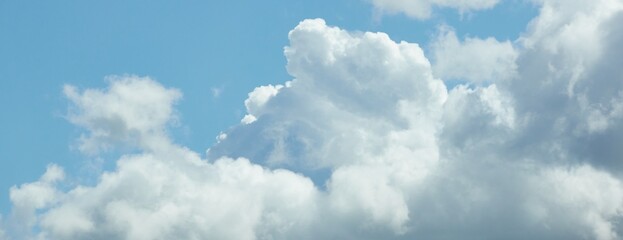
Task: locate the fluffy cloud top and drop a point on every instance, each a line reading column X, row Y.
column 422, row 9
column 368, row 143
column 257, row 99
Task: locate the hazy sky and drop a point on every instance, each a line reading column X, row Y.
column 354, row 119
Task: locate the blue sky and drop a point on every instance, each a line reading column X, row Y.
column 195, row 46
column 353, row 119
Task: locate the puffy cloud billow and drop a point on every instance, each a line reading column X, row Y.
column 368, row 142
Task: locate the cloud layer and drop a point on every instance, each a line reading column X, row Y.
column 367, row 142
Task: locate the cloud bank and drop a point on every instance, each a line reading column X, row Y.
column 367, row 142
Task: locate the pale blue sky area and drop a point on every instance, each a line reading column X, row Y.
column 195, row 46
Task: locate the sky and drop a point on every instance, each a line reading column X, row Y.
column 353, row 119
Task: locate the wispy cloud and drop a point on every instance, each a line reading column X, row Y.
column 422, row 9
column 216, row 91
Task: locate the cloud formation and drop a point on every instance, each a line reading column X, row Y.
column 367, row 142
column 165, row 191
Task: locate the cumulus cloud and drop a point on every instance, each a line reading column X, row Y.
column 367, row 142
column 475, row 60
column 488, row 155
column 132, row 110
column 165, row 191
column 150, row 196
column 30, row 197
column 422, row 9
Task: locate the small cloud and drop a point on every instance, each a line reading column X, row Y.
column 221, row 136
column 248, row 119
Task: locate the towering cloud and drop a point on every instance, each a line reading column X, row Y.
column 368, row 142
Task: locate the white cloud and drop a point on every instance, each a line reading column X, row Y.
column 576, row 196
column 418, row 163
column 221, row 136
column 248, row 119
column 30, row 197
column 165, row 192
column 422, row 9
column 337, row 114
column 376, row 147
column 570, row 35
column 178, row 196
column 337, row 90
column 256, row 101
column 569, row 79
column 474, row 59
column 133, row 110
